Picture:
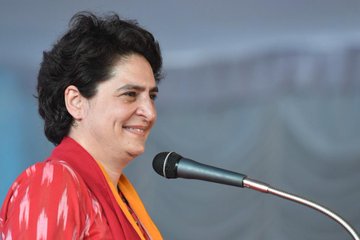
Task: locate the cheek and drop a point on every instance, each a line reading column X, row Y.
column 155, row 113
column 121, row 114
column 155, row 118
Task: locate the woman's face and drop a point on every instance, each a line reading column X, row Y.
column 118, row 119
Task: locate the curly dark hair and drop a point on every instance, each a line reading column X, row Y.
column 83, row 57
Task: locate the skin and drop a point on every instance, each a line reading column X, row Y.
column 114, row 124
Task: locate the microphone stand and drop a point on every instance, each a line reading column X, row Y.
column 265, row 188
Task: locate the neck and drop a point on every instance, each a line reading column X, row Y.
column 113, row 175
column 112, row 163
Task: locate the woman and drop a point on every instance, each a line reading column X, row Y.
column 96, row 91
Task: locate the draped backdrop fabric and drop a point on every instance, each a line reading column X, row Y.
column 287, row 116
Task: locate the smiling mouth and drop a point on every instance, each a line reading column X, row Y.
column 136, row 130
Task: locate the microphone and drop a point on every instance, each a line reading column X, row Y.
column 173, row 165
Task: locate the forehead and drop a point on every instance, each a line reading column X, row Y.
column 133, row 68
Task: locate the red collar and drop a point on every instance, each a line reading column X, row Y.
column 85, row 165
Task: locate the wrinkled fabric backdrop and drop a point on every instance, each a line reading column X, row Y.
column 285, row 115
column 289, row 117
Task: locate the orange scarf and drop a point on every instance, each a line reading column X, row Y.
column 136, row 204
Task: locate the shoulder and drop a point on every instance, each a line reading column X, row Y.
column 44, row 178
column 45, row 174
column 45, row 184
column 49, row 194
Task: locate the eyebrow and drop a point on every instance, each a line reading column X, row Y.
column 136, row 87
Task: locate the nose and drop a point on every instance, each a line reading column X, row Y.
column 147, row 109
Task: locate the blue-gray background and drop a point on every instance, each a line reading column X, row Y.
column 267, row 88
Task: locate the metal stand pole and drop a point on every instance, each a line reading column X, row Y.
column 265, row 188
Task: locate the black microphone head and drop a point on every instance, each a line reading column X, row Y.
column 165, row 164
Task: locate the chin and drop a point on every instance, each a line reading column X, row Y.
column 136, row 151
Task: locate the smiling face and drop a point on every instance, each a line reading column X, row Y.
column 114, row 124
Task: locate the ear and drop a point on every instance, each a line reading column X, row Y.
column 74, row 102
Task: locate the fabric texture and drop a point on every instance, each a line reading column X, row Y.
column 69, row 196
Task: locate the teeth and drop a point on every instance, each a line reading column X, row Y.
column 136, row 129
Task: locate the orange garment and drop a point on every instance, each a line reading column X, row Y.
column 136, row 204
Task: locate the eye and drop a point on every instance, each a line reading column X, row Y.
column 130, row 94
column 153, row 96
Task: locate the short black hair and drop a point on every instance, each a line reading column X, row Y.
column 83, row 57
